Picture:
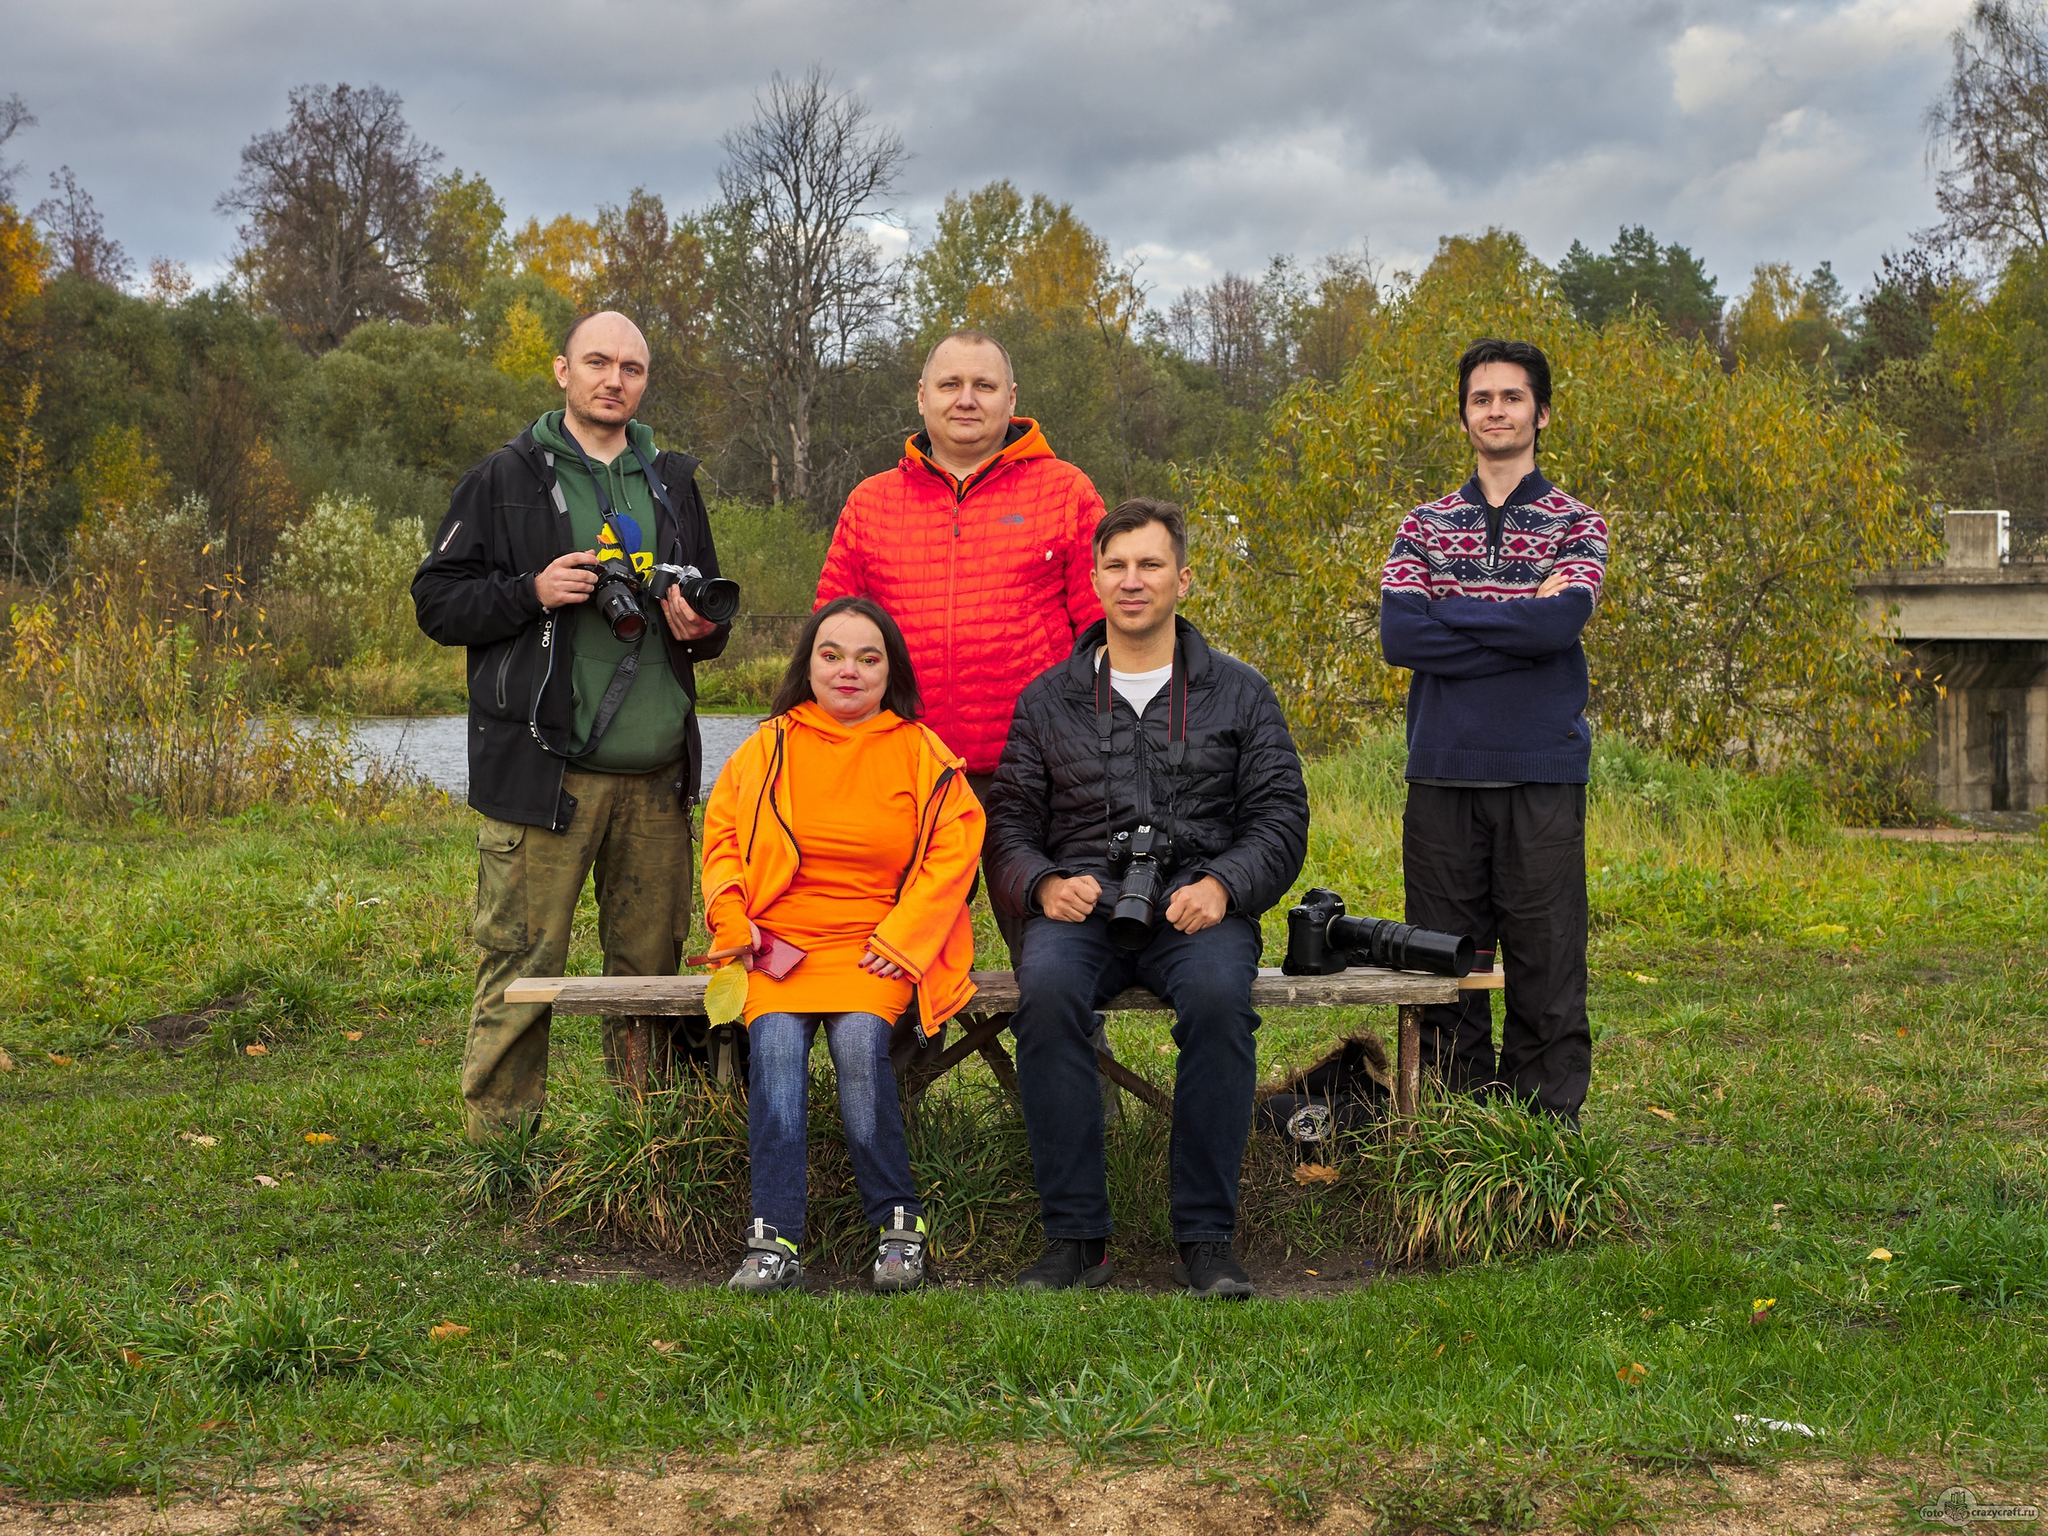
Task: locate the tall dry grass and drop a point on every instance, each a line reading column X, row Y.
column 115, row 701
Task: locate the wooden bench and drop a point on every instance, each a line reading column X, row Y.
column 989, row 1014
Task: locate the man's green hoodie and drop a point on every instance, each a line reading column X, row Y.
column 651, row 729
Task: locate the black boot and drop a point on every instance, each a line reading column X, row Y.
column 1209, row 1269
column 1068, row 1262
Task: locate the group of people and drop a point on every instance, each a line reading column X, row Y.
column 995, row 683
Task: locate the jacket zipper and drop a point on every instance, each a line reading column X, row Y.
column 505, row 666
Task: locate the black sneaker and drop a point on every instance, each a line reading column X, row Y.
column 1209, row 1269
column 1064, row 1265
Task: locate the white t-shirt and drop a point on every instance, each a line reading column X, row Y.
column 1137, row 688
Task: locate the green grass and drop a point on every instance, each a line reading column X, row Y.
column 1847, row 1038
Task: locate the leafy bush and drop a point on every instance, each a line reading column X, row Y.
column 342, row 555
column 1740, row 506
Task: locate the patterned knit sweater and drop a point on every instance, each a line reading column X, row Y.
column 1499, row 691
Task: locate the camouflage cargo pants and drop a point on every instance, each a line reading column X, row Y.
column 633, row 831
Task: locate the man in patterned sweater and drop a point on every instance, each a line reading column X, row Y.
column 1484, row 596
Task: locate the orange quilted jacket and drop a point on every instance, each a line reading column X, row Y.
column 988, row 577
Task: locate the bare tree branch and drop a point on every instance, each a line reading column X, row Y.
column 80, row 235
column 1989, row 130
column 14, row 116
column 337, row 204
column 800, row 286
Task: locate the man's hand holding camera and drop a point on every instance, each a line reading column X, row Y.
column 573, row 577
column 1069, row 899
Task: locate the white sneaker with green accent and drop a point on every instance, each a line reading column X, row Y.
column 770, row 1265
column 900, row 1264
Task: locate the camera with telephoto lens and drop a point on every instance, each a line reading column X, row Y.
column 1142, row 858
column 625, row 600
column 1322, row 940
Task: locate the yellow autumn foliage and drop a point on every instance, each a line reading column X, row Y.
column 1739, row 507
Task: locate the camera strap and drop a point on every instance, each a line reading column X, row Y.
column 1176, row 708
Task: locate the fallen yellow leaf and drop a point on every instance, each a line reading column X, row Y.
column 725, row 994
column 426, row 1040
column 447, row 1331
column 1632, row 1373
column 1648, row 981
column 58, row 1061
column 198, row 1140
column 663, row 1346
column 1884, row 1254
column 6, row 1062
column 1315, row 1173
column 131, row 1359
column 256, row 1050
column 1661, row 1114
column 353, row 1034
column 266, row 1181
column 1902, row 1031
column 317, row 1138
column 1764, row 1303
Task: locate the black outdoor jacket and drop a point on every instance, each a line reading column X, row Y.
column 1237, row 808
column 475, row 588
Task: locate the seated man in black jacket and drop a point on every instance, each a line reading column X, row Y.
column 1143, row 737
column 583, row 747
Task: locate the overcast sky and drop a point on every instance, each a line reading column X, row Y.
column 1202, row 135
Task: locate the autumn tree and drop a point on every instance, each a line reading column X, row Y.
column 1785, row 319
column 657, row 271
column 79, row 235
column 337, row 206
column 464, row 245
column 800, row 286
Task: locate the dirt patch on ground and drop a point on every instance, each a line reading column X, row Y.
column 1278, row 1276
column 1032, row 1489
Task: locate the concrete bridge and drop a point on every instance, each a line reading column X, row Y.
column 1977, row 625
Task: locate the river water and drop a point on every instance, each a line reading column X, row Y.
column 436, row 746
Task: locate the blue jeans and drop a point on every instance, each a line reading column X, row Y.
column 1066, row 972
column 778, row 1115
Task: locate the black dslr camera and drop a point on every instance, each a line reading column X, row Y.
column 626, row 601
column 1142, row 858
column 1322, row 941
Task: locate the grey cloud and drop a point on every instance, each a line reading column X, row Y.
column 1212, row 134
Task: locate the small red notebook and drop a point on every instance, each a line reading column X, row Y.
column 776, row 957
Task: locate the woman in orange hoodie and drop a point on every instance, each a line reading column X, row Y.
column 844, row 830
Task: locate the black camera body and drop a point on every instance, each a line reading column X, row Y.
column 1142, row 858
column 712, row 598
column 1322, row 940
column 626, row 601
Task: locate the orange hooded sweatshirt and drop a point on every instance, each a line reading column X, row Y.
column 839, row 839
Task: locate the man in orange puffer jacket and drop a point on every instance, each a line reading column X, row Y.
column 979, row 543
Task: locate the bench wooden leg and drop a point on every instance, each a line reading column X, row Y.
column 1408, row 1061
column 1131, row 1083
column 999, row 1063
column 979, row 1030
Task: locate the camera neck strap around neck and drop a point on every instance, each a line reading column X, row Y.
column 597, row 483
column 1176, row 707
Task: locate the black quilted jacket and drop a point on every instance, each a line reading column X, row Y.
column 1236, row 807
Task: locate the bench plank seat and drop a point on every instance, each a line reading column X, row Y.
column 995, row 999
column 996, row 992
